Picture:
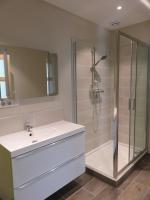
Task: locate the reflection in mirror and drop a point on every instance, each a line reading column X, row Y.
column 52, row 74
column 27, row 73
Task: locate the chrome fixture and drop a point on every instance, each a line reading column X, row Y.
column 5, row 102
column 28, row 128
column 96, row 79
column 95, row 64
column 95, row 89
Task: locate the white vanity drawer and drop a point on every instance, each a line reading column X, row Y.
column 45, row 185
column 32, row 164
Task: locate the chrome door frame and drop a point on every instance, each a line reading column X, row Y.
column 116, row 99
column 74, row 79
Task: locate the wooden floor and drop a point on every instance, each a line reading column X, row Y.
column 87, row 187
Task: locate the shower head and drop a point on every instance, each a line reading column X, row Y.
column 95, row 64
column 102, row 58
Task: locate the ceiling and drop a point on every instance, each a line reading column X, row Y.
column 104, row 12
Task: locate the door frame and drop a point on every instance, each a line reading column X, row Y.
column 119, row 33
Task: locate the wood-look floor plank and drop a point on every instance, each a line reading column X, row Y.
column 95, row 186
column 81, row 195
column 87, row 187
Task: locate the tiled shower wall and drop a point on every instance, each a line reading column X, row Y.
column 102, row 134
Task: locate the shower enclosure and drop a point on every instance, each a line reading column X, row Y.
column 110, row 97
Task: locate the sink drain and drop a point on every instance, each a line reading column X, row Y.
column 34, row 141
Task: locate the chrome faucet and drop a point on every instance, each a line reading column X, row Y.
column 28, row 128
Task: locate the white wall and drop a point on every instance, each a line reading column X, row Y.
column 36, row 24
column 140, row 31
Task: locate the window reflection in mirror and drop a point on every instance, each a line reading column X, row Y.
column 4, row 82
column 51, row 74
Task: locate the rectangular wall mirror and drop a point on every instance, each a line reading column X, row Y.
column 27, row 73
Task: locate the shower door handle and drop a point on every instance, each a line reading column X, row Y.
column 129, row 104
column 134, row 104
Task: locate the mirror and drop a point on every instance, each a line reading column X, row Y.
column 27, row 73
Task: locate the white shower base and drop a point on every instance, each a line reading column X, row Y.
column 100, row 159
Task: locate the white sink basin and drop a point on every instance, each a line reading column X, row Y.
column 20, row 142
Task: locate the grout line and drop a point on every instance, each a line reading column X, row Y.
column 87, row 182
column 88, row 191
column 82, row 188
column 74, row 193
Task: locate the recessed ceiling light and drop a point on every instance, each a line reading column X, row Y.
column 119, row 7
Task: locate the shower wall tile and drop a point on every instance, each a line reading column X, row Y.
column 107, row 92
column 83, row 82
column 83, row 71
column 84, row 57
column 84, row 105
column 8, row 112
column 11, row 124
column 95, row 141
column 123, row 110
column 84, row 117
column 106, row 82
column 13, row 119
column 104, row 70
column 107, row 100
column 124, row 138
column 83, row 95
column 85, row 108
column 123, row 101
column 47, row 116
column 105, row 108
column 91, row 144
column 124, row 128
column 124, row 92
column 124, row 82
column 124, row 118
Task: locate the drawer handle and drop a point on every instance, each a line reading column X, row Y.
column 47, row 173
column 45, row 147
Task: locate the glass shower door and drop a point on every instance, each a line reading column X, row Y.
column 141, row 100
column 132, row 101
column 132, row 108
column 126, row 99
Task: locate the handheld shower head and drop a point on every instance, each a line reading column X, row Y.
column 94, row 65
column 102, row 58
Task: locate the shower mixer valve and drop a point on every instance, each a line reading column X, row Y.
column 95, row 93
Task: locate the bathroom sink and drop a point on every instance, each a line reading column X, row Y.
column 21, row 142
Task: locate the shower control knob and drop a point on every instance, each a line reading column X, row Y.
column 102, row 91
column 98, row 91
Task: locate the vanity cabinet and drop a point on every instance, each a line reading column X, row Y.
column 45, row 168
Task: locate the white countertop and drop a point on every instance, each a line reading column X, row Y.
column 20, row 142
